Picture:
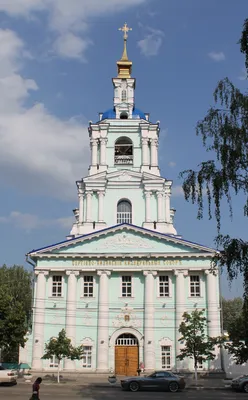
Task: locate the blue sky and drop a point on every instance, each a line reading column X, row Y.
column 57, row 61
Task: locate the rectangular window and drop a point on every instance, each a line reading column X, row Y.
column 57, row 286
column 126, row 288
column 88, row 286
column 164, row 286
column 166, row 357
column 195, row 286
column 53, row 362
column 87, row 357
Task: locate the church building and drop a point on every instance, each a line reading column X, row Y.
column 121, row 281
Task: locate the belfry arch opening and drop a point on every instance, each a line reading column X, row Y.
column 124, row 115
column 123, row 151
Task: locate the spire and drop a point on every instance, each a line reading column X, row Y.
column 124, row 65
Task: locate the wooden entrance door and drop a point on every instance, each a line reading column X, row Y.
column 126, row 360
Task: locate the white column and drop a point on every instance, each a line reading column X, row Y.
column 180, row 308
column 81, row 207
column 103, row 144
column 167, row 208
column 100, row 206
column 103, row 322
column 160, row 206
column 71, row 313
column 154, row 152
column 39, row 319
column 144, row 151
column 213, row 313
column 149, row 343
column 148, row 206
column 89, row 206
column 94, row 143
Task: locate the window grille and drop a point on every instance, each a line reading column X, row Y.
column 124, row 212
column 57, row 286
column 163, row 286
column 126, row 286
column 195, row 286
column 87, row 357
column 88, row 286
column 126, row 340
column 166, row 357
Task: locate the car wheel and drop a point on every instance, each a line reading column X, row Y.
column 245, row 387
column 173, row 387
column 134, row 386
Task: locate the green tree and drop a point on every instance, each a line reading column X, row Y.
column 15, row 310
column 61, row 347
column 231, row 310
column 197, row 344
column 224, row 132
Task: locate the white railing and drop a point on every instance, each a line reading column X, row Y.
column 123, row 159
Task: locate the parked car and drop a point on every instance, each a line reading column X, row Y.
column 7, row 375
column 240, row 383
column 158, row 380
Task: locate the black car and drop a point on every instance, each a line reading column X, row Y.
column 158, row 380
column 240, row 383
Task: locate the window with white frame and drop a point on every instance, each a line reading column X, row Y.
column 57, row 286
column 164, row 286
column 53, row 362
column 123, row 95
column 126, row 286
column 195, row 286
column 124, row 212
column 87, row 357
column 166, row 357
column 88, row 289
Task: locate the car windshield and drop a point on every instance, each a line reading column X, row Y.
column 242, row 376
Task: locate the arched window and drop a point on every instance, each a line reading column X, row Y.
column 123, row 151
column 123, row 95
column 124, row 212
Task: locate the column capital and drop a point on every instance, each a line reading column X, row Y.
column 75, row 273
column 154, row 142
column 100, row 273
column 153, row 273
column 210, row 272
column 89, row 192
column 103, row 140
column 148, row 193
column 101, row 193
column 93, row 142
column 144, row 140
column 45, row 273
column 160, row 193
column 179, row 272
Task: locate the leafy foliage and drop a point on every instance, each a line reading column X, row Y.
column 15, row 309
column 61, row 347
column 224, row 133
column 231, row 309
column 197, row 344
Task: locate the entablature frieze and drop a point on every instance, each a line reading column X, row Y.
column 127, row 256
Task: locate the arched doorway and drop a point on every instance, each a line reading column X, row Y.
column 126, row 355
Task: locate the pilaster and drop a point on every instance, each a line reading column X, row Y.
column 180, row 308
column 39, row 320
column 149, row 343
column 148, row 205
column 89, row 206
column 101, row 195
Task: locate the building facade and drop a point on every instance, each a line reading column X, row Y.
column 122, row 279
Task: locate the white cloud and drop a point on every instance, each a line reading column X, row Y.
column 69, row 45
column 29, row 222
column 177, row 191
column 172, row 164
column 217, row 56
column 38, row 151
column 68, row 19
column 150, row 45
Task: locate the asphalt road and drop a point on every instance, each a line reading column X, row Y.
column 54, row 392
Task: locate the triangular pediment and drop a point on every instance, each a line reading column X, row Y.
column 125, row 239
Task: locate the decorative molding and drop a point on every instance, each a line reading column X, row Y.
column 165, row 342
column 87, row 319
column 87, row 341
column 153, row 273
column 127, row 318
column 122, row 240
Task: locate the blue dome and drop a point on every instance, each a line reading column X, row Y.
column 109, row 114
column 138, row 114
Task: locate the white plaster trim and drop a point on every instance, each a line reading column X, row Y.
column 50, row 285
column 164, row 273
column 82, row 275
column 128, row 273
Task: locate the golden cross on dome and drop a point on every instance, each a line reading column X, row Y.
column 125, row 29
